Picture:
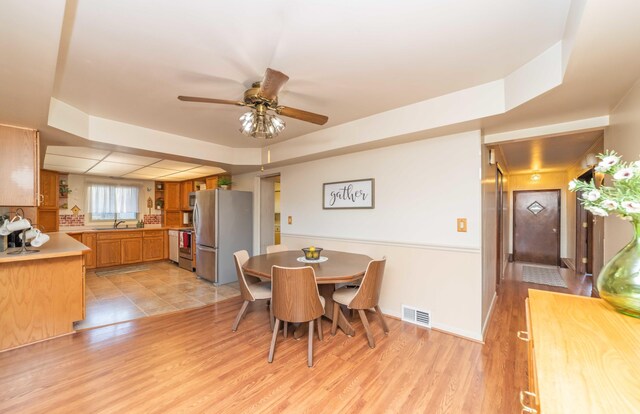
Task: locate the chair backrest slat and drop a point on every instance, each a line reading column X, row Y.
column 241, row 258
column 368, row 294
column 294, row 294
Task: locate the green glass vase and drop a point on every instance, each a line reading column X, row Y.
column 619, row 280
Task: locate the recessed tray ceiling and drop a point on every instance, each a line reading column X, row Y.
column 81, row 160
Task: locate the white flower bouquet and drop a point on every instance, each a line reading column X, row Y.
column 622, row 198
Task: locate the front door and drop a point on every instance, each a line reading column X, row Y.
column 536, row 226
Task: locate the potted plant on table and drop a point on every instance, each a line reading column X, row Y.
column 619, row 280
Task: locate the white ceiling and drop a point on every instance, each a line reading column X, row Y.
column 82, row 160
column 128, row 61
column 547, row 154
column 123, row 63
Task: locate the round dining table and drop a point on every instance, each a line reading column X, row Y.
column 339, row 267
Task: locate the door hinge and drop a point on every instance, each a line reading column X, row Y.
column 584, row 260
column 585, row 224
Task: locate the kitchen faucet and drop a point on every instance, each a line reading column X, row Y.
column 116, row 223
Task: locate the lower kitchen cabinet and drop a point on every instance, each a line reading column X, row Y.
column 108, row 253
column 89, row 240
column 153, row 246
column 131, row 250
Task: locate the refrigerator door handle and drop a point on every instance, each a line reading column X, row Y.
column 195, row 215
column 206, row 248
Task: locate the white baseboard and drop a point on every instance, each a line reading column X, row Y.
column 485, row 323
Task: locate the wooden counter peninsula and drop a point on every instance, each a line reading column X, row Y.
column 41, row 294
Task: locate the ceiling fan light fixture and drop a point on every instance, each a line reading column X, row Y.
column 259, row 124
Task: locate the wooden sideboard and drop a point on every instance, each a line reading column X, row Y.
column 583, row 356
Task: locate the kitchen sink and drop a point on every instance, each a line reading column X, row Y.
column 112, row 229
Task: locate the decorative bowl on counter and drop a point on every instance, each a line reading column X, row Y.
column 312, row 253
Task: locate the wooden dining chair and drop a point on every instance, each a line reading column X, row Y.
column 250, row 291
column 275, row 248
column 362, row 298
column 295, row 298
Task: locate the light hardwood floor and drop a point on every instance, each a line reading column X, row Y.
column 192, row 362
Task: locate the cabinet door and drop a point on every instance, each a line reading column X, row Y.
column 131, row 250
column 186, row 187
column 153, row 248
column 89, row 240
column 108, row 253
column 77, row 236
column 173, row 219
column 22, row 145
column 212, row 183
column 49, row 189
column 48, row 220
column 172, row 196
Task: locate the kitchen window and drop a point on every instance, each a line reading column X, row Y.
column 113, row 202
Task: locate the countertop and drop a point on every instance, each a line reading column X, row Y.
column 59, row 245
column 93, row 229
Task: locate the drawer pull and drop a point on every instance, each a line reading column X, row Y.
column 525, row 407
column 523, row 336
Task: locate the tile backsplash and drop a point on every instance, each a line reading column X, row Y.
column 71, row 220
column 152, row 219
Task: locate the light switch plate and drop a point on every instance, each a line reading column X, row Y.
column 290, row 220
column 462, row 225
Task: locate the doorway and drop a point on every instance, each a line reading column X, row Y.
column 584, row 233
column 499, row 224
column 536, row 226
column 269, row 211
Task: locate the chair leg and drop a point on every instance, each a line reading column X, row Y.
column 272, row 348
column 243, row 309
column 310, row 352
column 336, row 315
column 384, row 323
column 320, row 336
column 365, row 322
column 284, row 330
column 270, row 315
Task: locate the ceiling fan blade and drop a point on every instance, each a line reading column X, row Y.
column 210, row 100
column 302, row 115
column 271, row 84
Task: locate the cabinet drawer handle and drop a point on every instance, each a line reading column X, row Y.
column 525, row 407
column 523, row 336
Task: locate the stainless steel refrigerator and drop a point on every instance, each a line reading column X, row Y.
column 223, row 222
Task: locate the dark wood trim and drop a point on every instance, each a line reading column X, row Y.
column 499, row 223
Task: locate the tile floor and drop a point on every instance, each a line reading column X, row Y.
column 162, row 288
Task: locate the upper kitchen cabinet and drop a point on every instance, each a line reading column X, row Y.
column 49, row 189
column 172, row 196
column 185, row 190
column 19, row 166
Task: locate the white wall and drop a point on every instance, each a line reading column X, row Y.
column 421, row 188
column 622, row 136
column 77, row 184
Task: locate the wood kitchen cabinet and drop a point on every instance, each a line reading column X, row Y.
column 108, row 253
column 89, row 240
column 173, row 219
column 212, row 182
column 48, row 209
column 49, row 189
column 19, row 189
column 172, row 196
column 131, row 250
column 186, row 187
column 153, row 245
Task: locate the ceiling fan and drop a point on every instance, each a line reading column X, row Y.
column 263, row 97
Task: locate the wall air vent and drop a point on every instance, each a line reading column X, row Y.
column 416, row 316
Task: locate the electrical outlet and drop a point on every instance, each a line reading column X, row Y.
column 290, row 220
column 462, row 225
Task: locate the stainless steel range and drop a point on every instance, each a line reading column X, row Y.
column 185, row 249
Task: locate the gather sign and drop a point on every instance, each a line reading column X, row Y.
column 348, row 194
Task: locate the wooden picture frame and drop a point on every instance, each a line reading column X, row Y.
column 352, row 194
